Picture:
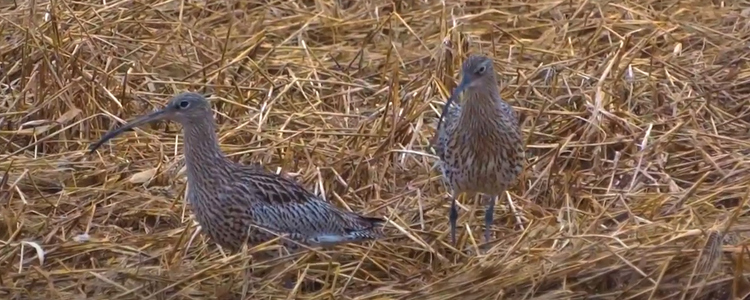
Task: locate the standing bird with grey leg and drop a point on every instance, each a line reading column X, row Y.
column 237, row 204
column 479, row 141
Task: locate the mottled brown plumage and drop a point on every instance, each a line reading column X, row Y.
column 233, row 203
column 479, row 142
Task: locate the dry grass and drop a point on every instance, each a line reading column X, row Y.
column 635, row 112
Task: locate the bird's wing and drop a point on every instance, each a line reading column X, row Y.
column 449, row 118
column 283, row 205
column 507, row 110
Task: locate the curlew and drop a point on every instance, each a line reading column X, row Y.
column 479, row 142
column 237, row 204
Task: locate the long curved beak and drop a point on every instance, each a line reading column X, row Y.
column 459, row 89
column 154, row 116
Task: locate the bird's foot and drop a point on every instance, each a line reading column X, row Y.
column 485, row 248
column 452, row 218
column 305, row 286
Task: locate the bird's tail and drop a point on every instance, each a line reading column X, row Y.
column 373, row 221
column 357, row 229
column 366, row 228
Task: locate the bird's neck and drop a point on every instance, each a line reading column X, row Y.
column 202, row 153
column 482, row 105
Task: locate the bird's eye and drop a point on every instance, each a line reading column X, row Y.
column 481, row 70
column 184, row 104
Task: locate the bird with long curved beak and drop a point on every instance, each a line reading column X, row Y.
column 479, row 141
column 237, row 204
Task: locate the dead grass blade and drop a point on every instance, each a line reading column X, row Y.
column 636, row 118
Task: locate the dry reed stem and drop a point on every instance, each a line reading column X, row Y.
column 635, row 114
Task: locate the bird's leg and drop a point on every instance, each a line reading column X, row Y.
column 488, row 217
column 287, row 280
column 453, row 217
column 248, row 278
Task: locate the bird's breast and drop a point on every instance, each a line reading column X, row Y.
column 483, row 163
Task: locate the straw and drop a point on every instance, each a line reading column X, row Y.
column 634, row 113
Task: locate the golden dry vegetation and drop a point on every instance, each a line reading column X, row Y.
column 635, row 114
